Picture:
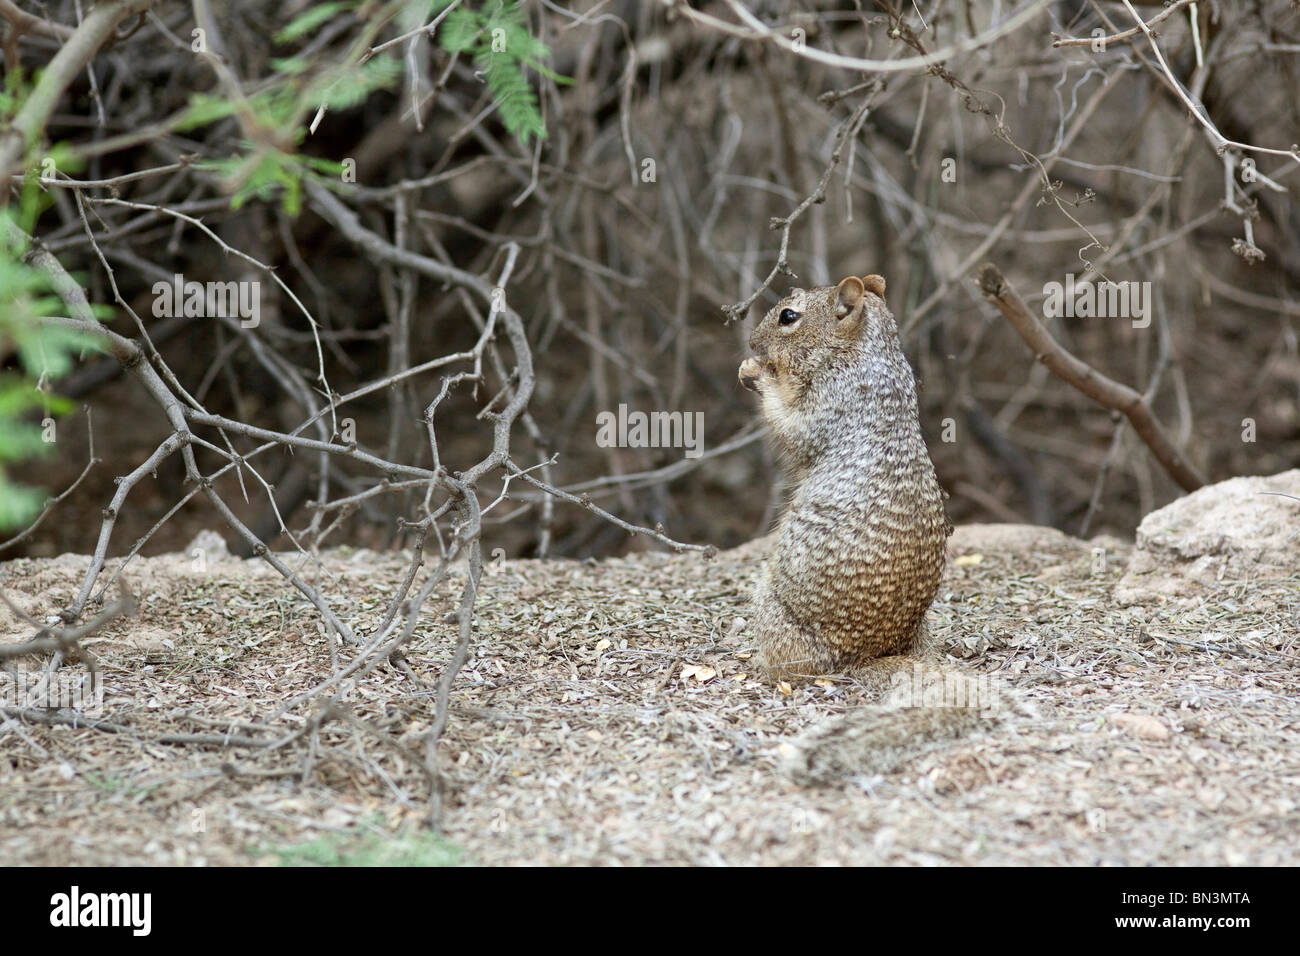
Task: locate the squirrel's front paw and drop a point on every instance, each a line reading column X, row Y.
column 749, row 374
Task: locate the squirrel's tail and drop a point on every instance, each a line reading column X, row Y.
column 924, row 703
column 875, row 741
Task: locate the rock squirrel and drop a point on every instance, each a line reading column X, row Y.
column 860, row 550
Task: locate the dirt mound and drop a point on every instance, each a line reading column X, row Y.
column 1243, row 528
column 1013, row 539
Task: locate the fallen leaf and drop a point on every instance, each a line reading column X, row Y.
column 966, row 560
column 701, row 672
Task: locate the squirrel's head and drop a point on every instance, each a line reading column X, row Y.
column 810, row 330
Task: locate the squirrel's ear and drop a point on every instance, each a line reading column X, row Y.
column 848, row 296
column 875, row 284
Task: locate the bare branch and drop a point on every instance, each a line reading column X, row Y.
column 1089, row 381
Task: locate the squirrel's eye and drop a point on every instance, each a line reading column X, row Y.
column 788, row 317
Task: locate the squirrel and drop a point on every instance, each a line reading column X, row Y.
column 860, row 550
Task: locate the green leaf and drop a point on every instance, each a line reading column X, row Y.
column 44, row 350
column 16, row 396
column 515, row 98
column 309, row 21
column 261, row 181
column 15, row 92
column 19, row 504
column 203, row 109
column 459, row 32
column 326, row 167
column 47, row 349
column 21, row 440
column 293, row 65
column 502, row 45
column 342, row 89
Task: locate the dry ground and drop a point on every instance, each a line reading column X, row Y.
column 1167, row 733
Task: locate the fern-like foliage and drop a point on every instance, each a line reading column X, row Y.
column 497, row 37
column 45, row 351
column 262, row 169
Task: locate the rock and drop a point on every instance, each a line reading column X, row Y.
column 1242, row 528
column 755, row 550
column 1140, row 725
column 210, row 545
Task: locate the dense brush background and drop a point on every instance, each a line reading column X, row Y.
column 625, row 266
